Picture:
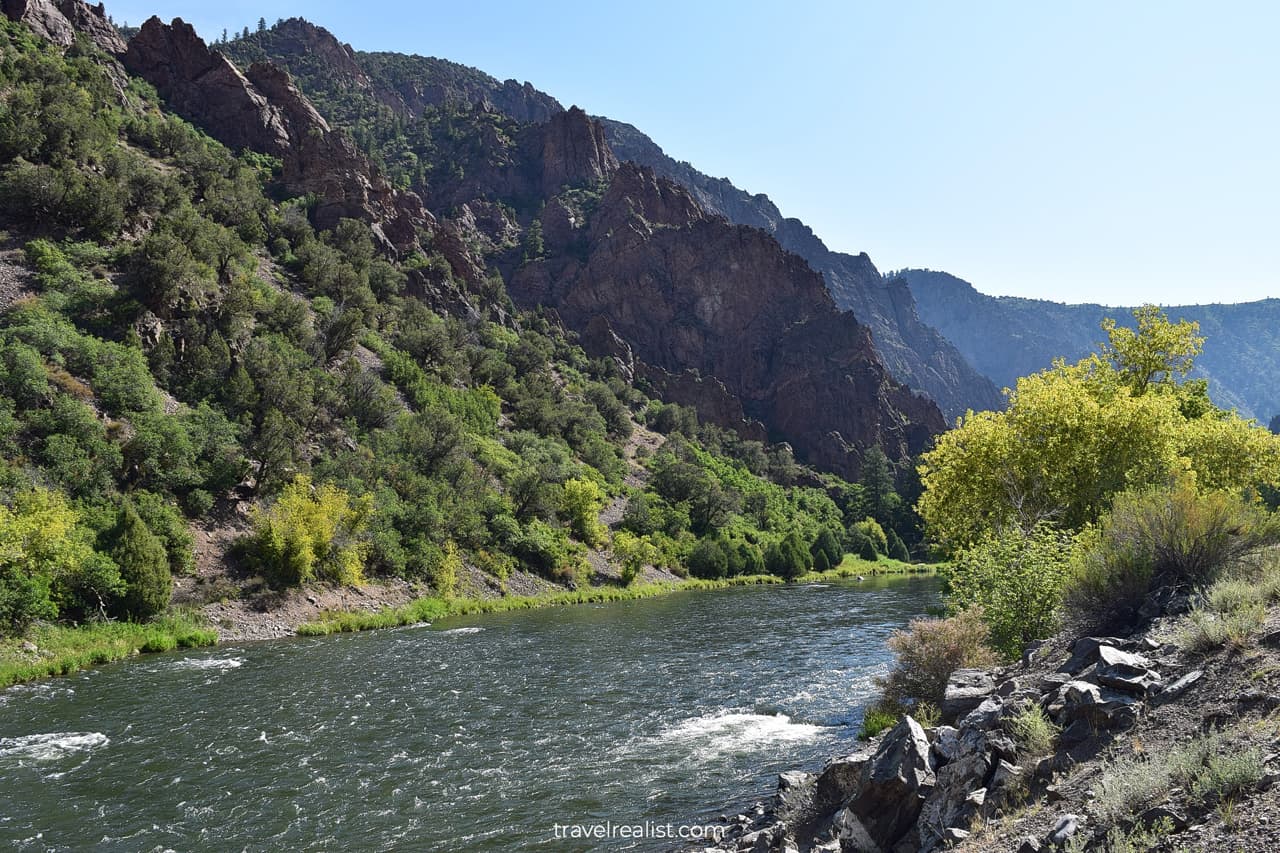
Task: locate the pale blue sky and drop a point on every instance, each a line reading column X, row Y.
column 1110, row 152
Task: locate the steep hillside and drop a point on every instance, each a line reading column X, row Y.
column 392, row 89
column 524, row 198
column 238, row 363
column 1006, row 337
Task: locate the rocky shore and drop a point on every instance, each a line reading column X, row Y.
column 1148, row 746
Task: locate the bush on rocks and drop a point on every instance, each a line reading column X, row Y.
column 930, row 650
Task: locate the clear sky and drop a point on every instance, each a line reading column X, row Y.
column 1090, row 151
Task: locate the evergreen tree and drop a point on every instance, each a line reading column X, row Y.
column 262, row 25
column 898, row 548
column 143, row 564
column 827, row 545
column 877, row 483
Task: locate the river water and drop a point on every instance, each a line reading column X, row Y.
column 480, row 733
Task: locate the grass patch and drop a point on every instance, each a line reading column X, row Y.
column 431, row 607
column 852, row 566
column 877, row 718
column 1033, row 732
column 62, row 650
column 1211, row 769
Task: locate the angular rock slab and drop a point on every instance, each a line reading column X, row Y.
column 894, row 785
column 966, row 689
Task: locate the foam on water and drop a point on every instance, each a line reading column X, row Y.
column 207, row 663
column 474, row 629
column 51, row 746
column 714, row 735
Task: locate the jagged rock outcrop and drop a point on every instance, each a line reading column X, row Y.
column 59, row 21
column 321, row 161
column 203, row 86
column 92, row 21
column 688, row 291
column 43, row 17
column 574, row 152
column 265, row 112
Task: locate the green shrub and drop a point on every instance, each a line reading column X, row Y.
column 827, row 545
column 878, row 718
column 143, row 564
column 1169, row 535
column 871, row 529
column 311, row 533
column 898, row 548
column 788, row 558
column 929, row 650
column 1205, row 630
column 632, row 553
column 1017, row 579
column 1212, row 768
column 1033, row 732
column 709, row 559
column 581, row 501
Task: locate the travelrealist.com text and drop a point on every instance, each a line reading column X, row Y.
column 640, row 831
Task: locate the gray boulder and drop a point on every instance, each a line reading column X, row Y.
column 1101, row 706
column 966, row 688
column 1085, row 652
column 895, row 784
column 840, row 780
column 1138, row 680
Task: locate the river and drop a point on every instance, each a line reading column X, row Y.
column 478, row 733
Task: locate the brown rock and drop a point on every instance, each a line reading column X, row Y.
column 574, row 152
column 690, row 292
column 203, row 86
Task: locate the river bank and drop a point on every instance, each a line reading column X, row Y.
column 1160, row 737
column 51, row 650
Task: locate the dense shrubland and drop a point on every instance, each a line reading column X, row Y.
column 192, row 342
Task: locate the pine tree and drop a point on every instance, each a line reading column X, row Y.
column 898, row 548
column 143, row 563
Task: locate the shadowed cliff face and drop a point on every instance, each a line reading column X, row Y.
column 688, row 291
column 915, row 352
column 263, row 111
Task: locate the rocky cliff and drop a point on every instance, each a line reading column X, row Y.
column 59, row 21
column 711, row 314
column 411, row 85
column 690, row 293
column 1007, row 337
column 915, row 352
column 263, row 111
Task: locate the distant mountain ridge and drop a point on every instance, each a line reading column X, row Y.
column 1006, row 337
